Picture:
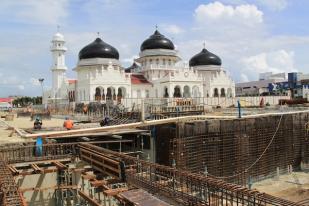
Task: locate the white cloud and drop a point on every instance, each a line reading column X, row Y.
column 76, row 41
column 33, row 11
column 21, row 87
column 10, row 80
column 217, row 12
column 276, row 61
column 276, row 5
column 244, row 77
column 130, row 59
column 173, row 29
column 243, row 40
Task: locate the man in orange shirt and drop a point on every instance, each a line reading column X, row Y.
column 68, row 124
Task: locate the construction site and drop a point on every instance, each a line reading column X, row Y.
column 184, row 152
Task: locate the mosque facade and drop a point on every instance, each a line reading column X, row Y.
column 158, row 72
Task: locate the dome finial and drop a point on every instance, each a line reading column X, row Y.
column 156, row 26
column 204, row 45
column 58, row 28
column 98, row 34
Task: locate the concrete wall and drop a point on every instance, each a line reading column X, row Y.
column 47, row 183
column 39, row 198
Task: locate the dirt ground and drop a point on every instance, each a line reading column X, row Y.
column 26, row 123
column 293, row 187
column 23, row 123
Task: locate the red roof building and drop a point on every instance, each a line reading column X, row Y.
column 9, row 99
column 72, row 81
column 139, row 79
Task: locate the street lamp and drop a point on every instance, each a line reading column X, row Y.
column 41, row 82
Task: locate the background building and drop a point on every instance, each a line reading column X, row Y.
column 296, row 84
column 158, row 72
column 261, row 86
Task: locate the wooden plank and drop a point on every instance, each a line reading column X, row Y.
column 44, row 171
column 90, row 200
column 123, row 126
column 113, row 192
column 36, row 168
column 89, row 176
column 59, row 165
column 99, row 166
column 98, row 183
column 149, row 123
column 13, row 170
column 64, row 187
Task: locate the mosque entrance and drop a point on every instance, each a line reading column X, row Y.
column 97, row 95
column 222, row 93
column 186, row 92
column 216, row 92
column 110, row 94
column 121, row 93
column 177, row 92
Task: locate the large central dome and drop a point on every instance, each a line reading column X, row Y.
column 205, row 58
column 98, row 49
column 157, row 41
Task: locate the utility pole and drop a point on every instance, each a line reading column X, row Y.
column 41, row 82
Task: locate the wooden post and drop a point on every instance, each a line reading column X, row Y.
column 142, row 111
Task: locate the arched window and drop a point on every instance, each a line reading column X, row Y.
column 165, row 95
column 195, row 91
column 186, row 91
column 110, row 93
column 121, row 93
column 97, row 94
column 222, row 93
column 216, row 92
column 177, row 92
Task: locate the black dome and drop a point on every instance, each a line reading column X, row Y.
column 98, row 49
column 157, row 41
column 205, row 58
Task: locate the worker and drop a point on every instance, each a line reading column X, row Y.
column 37, row 123
column 105, row 121
column 68, row 124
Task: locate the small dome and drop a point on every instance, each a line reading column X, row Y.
column 58, row 37
column 98, row 49
column 205, row 58
column 157, row 41
column 131, row 68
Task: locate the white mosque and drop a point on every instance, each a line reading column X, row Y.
column 158, row 73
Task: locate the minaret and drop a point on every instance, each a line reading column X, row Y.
column 58, row 67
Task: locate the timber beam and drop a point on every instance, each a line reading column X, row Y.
column 59, row 165
column 37, row 169
column 90, row 200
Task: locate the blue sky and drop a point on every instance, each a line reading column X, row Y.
column 250, row 36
